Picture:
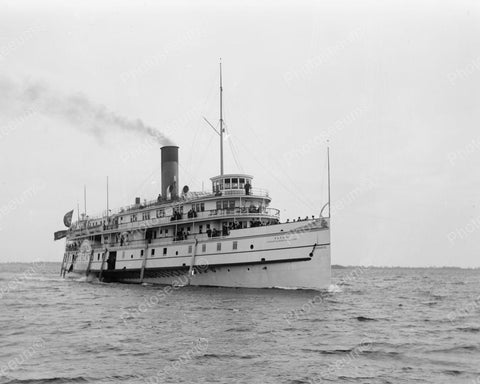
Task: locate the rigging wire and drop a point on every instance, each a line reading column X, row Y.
column 232, row 145
column 294, row 193
column 297, row 193
column 202, row 159
column 232, row 148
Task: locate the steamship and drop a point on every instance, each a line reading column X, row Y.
column 229, row 236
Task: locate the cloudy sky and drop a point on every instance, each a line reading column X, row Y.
column 393, row 86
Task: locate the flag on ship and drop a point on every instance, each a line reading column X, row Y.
column 67, row 219
column 59, row 235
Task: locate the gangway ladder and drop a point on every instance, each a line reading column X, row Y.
column 89, row 266
column 144, row 263
column 192, row 262
column 63, row 265
column 103, row 263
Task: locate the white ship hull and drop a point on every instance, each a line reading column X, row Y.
column 289, row 255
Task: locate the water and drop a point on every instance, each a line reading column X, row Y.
column 374, row 326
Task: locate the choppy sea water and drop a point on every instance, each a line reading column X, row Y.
column 374, row 326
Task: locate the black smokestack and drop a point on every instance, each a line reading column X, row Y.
column 170, row 171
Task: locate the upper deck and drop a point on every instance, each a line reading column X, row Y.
column 232, row 197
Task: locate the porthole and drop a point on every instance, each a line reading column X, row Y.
column 251, row 246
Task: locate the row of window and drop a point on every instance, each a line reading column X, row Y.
column 199, row 207
column 230, row 183
column 190, row 250
column 226, row 204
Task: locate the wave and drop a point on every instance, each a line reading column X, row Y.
column 459, row 348
column 334, row 288
column 239, row 329
column 225, row 356
column 328, row 351
column 51, row 380
column 363, row 318
column 452, row 372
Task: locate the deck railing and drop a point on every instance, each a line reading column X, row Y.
column 189, row 197
column 210, row 214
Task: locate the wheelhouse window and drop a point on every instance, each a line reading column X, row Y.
column 241, row 182
column 234, row 183
column 227, row 183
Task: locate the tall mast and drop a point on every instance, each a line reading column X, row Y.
column 85, row 200
column 328, row 173
column 221, row 121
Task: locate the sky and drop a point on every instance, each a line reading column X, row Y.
column 93, row 89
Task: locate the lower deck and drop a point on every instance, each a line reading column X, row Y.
column 293, row 255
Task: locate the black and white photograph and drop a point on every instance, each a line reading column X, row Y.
column 239, row 191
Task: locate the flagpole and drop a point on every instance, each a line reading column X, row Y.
column 107, row 199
